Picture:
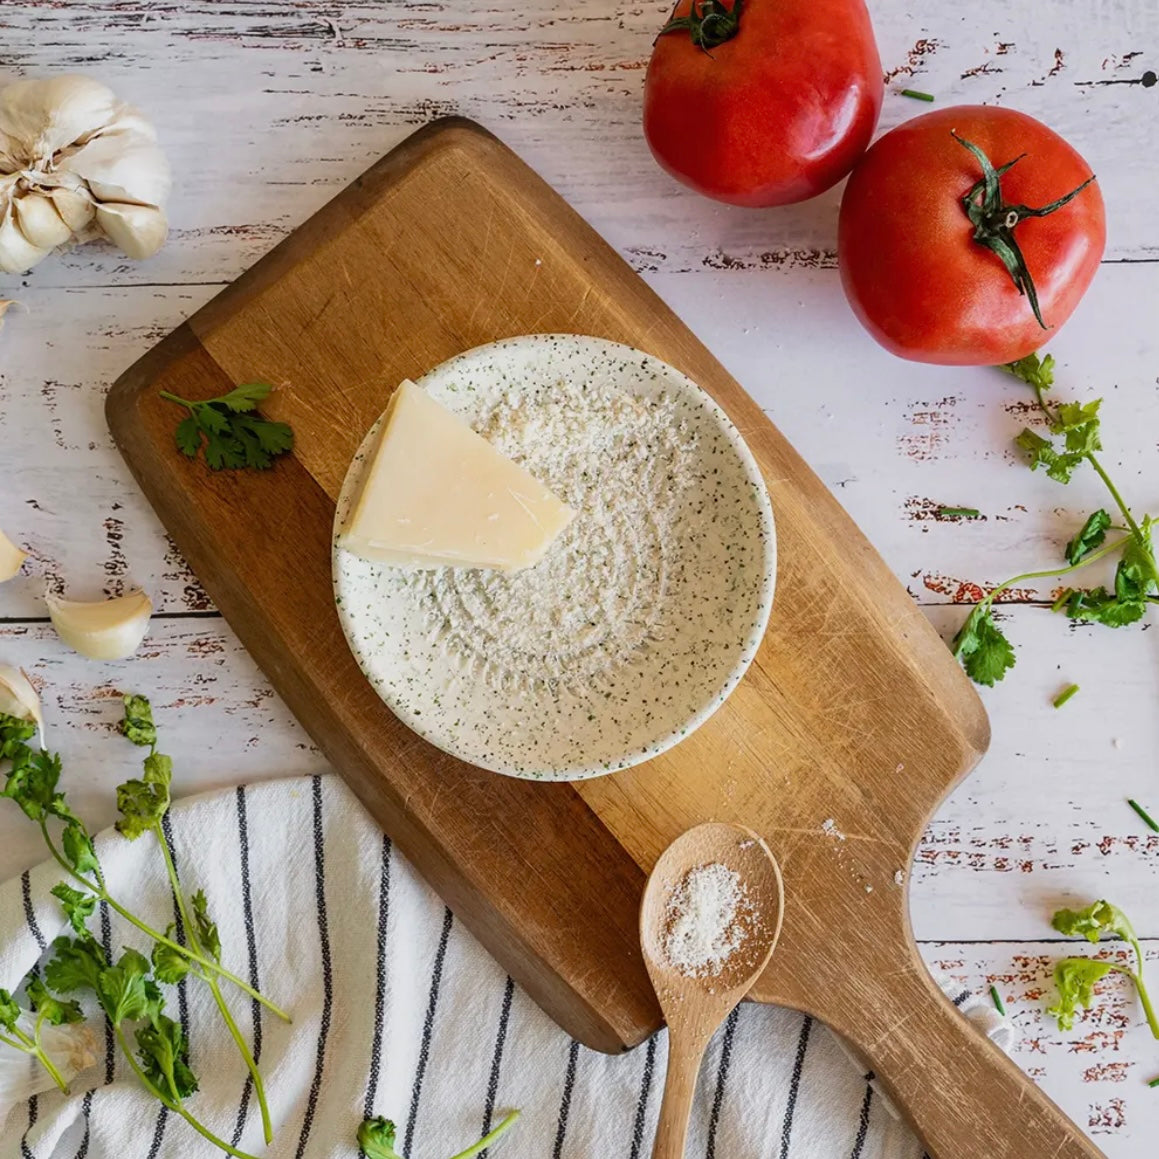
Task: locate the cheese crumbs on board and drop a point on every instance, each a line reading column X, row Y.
column 701, row 920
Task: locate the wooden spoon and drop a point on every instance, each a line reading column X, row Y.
column 695, row 1006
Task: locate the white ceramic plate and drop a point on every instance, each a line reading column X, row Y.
column 645, row 613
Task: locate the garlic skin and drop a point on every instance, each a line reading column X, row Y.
column 76, row 164
column 11, row 557
column 18, row 698
column 102, row 629
column 72, row 1049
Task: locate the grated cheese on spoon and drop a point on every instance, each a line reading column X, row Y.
column 702, row 930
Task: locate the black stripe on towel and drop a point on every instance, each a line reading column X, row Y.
column 721, row 1079
column 961, row 998
column 86, row 1110
column 29, row 912
column 428, row 1030
column 252, row 955
column 182, row 996
column 795, row 1086
column 380, row 981
column 565, row 1102
column 110, row 1038
column 42, row 945
column 497, row 1061
column 642, row 1104
column 863, row 1123
column 327, row 971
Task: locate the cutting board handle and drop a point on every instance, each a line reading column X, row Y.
column 963, row 1096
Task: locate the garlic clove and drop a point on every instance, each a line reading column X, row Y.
column 11, row 557
column 72, row 1048
column 76, row 209
column 6, row 304
column 122, row 167
column 46, row 115
column 17, row 253
column 139, row 230
column 102, row 629
column 18, row 698
column 39, row 221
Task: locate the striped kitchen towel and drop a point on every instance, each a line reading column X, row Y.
column 399, row 1012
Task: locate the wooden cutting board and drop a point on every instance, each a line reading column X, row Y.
column 851, row 726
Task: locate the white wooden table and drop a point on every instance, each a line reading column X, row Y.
column 268, row 108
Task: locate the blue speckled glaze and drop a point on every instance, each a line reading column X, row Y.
column 707, row 602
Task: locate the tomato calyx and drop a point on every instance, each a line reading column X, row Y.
column 709, row 23
column 994, row 221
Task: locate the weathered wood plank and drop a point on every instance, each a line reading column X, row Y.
column 299, row 100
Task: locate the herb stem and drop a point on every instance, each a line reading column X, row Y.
column 177, row 399
column 31, row 1046
column 1065, row 695
column 1147, row 818
column 958, row 512
column 489, row 1138
column 917, row 96
column 1054, row 573
column 1154, row 1083
column 212, row 983
column 175, row 1104
column 997, row 1000
column 156, row 935
column 200, row 959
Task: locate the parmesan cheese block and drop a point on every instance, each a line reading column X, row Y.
column 435, row 494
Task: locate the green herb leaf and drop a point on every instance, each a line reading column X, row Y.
column 54, row 1010
column 137, row 723
column 9, row 1011
column 164, row 1055
column 1034, row 371
column 1092, row 923
column 984, row 651
column 78, row 907
column 376, row 1138
column 78, row 848
column 169, row 966
column 1099, row 606
column 144, row 802
column 77, row 964
column 207, row 933
column 121, row 989
column 1058, row 465
column 1092, row 536
column 32, row 782
column 1075, row 979
column 246, row 397
column 228, row 431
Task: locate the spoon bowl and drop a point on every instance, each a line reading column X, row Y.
column 696, row 1002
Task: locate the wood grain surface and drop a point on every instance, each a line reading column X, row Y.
column 850, row 727
column 297, row 99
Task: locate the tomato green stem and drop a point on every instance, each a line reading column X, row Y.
column 994, row 221
column 709, row 23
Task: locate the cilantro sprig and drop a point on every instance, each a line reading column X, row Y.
column 128, row 991
column 376, row 1138
column 143, row 803
column 1074, row 439
column 228, row 430
column 133, row 1002
column 1076, row 977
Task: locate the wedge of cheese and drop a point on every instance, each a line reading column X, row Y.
column 433, row 493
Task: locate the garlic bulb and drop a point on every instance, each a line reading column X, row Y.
column 102, row 629
column 11, row 557
column 76, row 164
column 72, row 1049
column 18, row 698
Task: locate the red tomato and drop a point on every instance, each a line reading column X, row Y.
column 763, row 103
column 913, row 268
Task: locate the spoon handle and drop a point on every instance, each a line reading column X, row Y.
column 684, row 1055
